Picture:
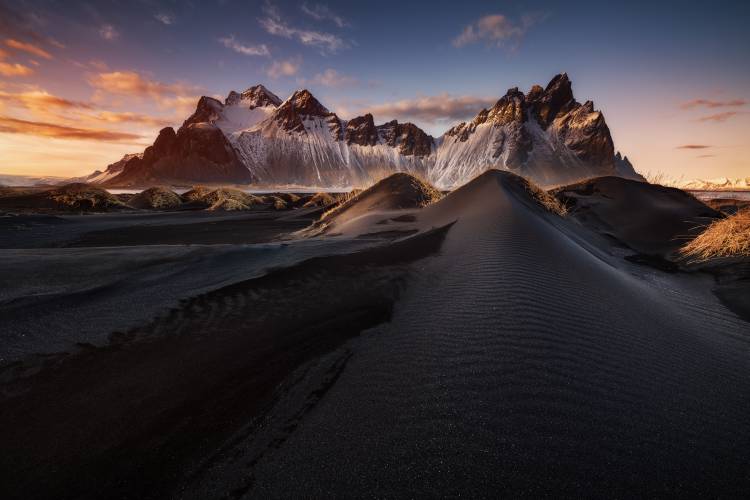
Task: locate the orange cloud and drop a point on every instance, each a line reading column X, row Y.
column 3, row 54
column 46, row 105
column 10, row 125
column 27, row 47
column 694, row 146
column 128, row 117
column 130, row 83
column 40, row 100
column 10, row 69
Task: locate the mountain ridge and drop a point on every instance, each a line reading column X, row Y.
column 255, row 137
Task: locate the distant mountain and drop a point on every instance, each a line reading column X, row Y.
column 10, row 180
column 254, row 137
column 718, row 184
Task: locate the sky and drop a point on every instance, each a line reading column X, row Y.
column 84, row 82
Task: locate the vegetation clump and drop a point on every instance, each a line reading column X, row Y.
column 728, row 237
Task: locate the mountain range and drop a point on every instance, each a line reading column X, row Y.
column 254, row 137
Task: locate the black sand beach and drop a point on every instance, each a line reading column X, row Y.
column 479, row 346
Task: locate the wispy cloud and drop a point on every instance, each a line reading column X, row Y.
column 275, row 25
column 109, row 32
column 330, row 78
column 129, row 117
column 708, row 103
column 497, row 30
column 164, row 18
column 10, row 125
column 289, row 67
column 28, row 48
column 14, row 69
column 719, row 117
column 433, row 109
column 705, row 156
column 52, row 107
column 134, row 84
column 694, row 146
column 321, row 12
column 248, row 50
column 40, row 100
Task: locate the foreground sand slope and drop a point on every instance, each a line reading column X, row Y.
column 521, row 362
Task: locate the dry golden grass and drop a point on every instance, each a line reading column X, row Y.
column 729, row 237
column 545, row 198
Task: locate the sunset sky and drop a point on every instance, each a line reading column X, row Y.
column 84, row 82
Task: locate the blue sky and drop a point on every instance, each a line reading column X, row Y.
column 665, row 74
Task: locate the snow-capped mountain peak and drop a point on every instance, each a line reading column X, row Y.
column 545, row 135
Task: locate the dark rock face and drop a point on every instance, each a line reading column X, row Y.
column 586, row 134
column 410, row 139
column 208, row 111
column 361, row 130
column 197, row 152
column 556, row 99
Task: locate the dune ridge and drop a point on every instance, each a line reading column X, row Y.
column 542, row 367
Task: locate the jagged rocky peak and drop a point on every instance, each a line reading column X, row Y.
column 207, row 111
column 361, row 130
column 257, row 96
column 302, row 105
column 555, row 100
column 510, row 108
column 410, row 139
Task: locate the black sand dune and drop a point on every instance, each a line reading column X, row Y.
column 499, row 351
column 648, row 218
column 521, row 363
column 395, row 192
column 135, row 418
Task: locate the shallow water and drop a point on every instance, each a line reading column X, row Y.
column 712, row 195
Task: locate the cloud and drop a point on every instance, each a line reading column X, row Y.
column 131, row 83
column 497, row 30
column 10, row 69
column 433, row 108
column 705, row 156
column 247, row 50
column 28, row 47
column 166, row 19
column 108, row 32
column 289, row 67
column 719, row 117
column 40, row 100
column 707, row 103
column 10, row 125
column 128, row 117
column 324, row 13
column 330, row 78
column 694, row 146
column 274, row 25
column 49, row 106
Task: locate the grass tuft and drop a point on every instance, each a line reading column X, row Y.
column 729, row 237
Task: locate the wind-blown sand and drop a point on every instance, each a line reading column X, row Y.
column 519, row 361
column 492, row 348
